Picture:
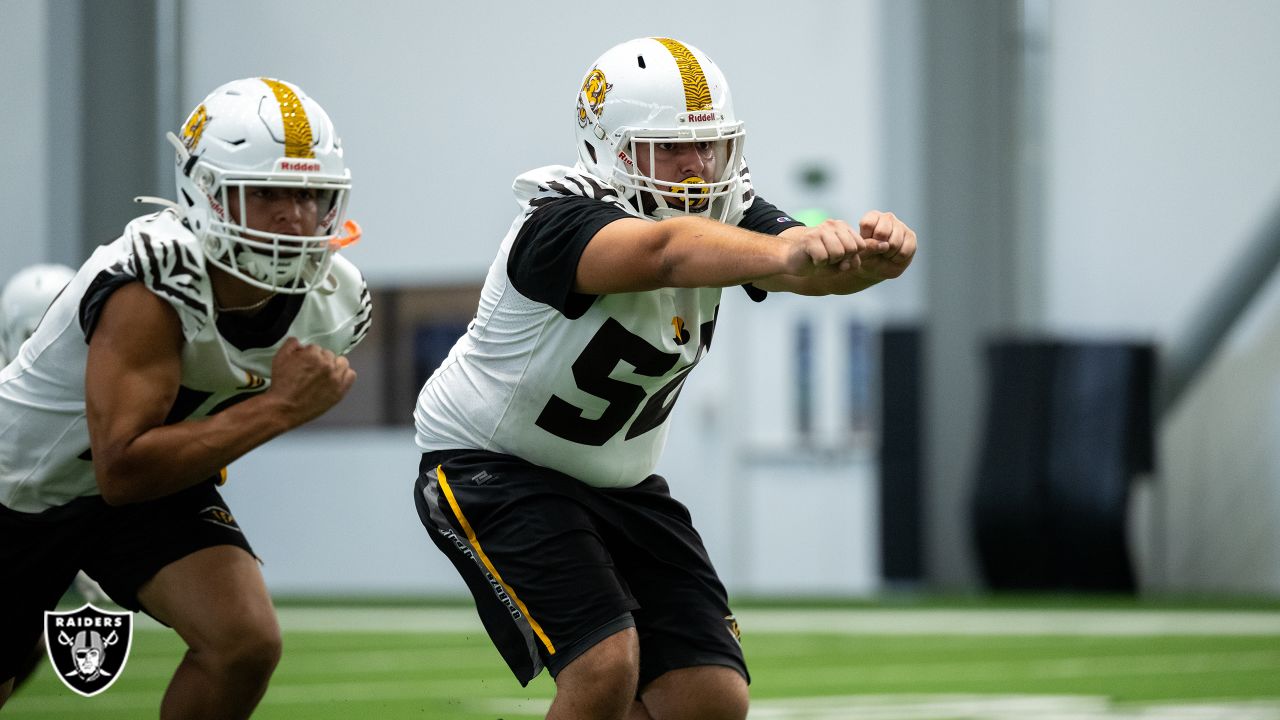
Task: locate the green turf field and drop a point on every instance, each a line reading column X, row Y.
column 826, row 663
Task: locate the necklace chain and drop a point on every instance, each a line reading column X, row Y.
column 242, row 308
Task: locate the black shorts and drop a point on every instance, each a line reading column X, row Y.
column 120, row 547
column 556, row 565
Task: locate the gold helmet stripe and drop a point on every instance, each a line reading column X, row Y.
column 297, row 128
column 697, row 94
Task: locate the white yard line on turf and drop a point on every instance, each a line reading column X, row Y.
column 1002, row 707
column 836, row 621
column 968, row 707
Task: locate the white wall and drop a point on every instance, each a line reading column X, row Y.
column 1163, row 156
column 24, row 90
column 332, row 512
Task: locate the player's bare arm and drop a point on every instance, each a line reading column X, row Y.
column 632, row 255
column 132, row 378
column 889, row 247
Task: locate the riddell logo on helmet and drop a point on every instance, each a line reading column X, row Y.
column 298, row 165
column 697, row 117
column 623, row 157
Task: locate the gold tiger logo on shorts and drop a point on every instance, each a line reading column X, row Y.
column 594, row 89
column 219, row 516
column 731, row 623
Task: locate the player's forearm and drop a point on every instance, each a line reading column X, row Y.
column 704, row 253
column 170, row 458
column 836, row 284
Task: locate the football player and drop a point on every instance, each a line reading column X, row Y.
column 541, row 429
column 203, row 331
column 23, row 301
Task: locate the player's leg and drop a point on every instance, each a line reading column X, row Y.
column 691, row 663
column 676, row 695
column 37, row 656
column 185, row 561
column 529, row 547
column 39, row 554
column 601, row 683
column 705, row 692
column 217, row 602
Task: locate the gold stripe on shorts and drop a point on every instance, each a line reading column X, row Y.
column 475, row 543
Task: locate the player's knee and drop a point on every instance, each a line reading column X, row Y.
column 700, row 693
column 259, row 653
column 250, row 651
column 607, row 673
column 728, row 704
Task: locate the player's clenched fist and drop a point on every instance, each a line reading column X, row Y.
column 895, row 245
column 309, row 379
column 831, row 246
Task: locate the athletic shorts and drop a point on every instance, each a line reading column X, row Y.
column 556, row 565
column 120, row 547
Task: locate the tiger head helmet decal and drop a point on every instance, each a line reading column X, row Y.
column 594, row 89
column 194, row 127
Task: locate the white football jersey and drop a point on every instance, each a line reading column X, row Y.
column 45, row 458
column 578, row 383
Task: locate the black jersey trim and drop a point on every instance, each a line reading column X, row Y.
column 543, row 261
column 99, row 291
column 765, row 217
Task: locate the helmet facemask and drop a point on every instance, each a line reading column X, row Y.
column 278, row 262
column 707, row 194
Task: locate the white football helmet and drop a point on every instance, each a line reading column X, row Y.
column 260, row 132
column 24, row 300
column 651, row 91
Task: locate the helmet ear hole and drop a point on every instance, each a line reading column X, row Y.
column 591, row 150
